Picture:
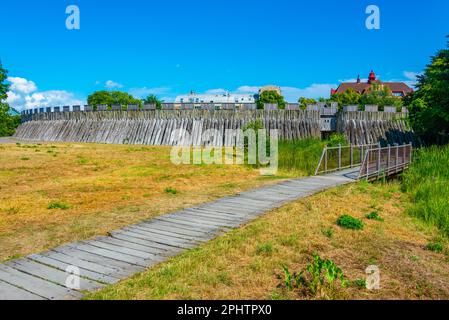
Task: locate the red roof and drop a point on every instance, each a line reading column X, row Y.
column 395, row 87
column 359, row 87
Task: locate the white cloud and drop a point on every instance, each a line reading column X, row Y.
column 51, row 98
column 143, row 92
column 410, row 75
column 24, row 94
column 216, row 91
column 21, row 85
column 248, row 89
column 112, row 85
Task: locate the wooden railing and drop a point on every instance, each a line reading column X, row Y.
column 342, row 157
column 380, row 162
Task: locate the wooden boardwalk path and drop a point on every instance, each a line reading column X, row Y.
column 105, row 260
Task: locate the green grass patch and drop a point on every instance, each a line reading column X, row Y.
column 58, row 205
column 435, row 247
column 170, row 190
column 374, row 216
column 266, row 248
column 427, row 182
column 359, row 283
column 348, row 222
column 329, row 232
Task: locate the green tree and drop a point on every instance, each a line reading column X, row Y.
column 381, row 96
column 347, row 98
column 271, row 96
column 8, row 123
column 303, row 102
column 4, row 87
column 429, row 104
column 153, row 99
column 110, row 98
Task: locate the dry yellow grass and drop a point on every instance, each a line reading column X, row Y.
column 246, row 263
column 102, row 187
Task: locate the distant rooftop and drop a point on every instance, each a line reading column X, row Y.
column 192, row 97
column 399, row 89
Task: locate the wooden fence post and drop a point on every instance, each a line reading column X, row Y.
column 339, row 156
column 325, row 160
column 388, row 159
column 351, row 151
column 397, row 157
column 368, row 153
column 378, row 160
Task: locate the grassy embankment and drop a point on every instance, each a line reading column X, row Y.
column 401, row 233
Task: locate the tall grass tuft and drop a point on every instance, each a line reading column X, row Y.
column 303, row 155
column 427, row 182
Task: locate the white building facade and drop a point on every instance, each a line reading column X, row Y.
column 216, row 98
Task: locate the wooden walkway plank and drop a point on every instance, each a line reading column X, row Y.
column 128, row 262
column 10, row 292
column 136, row 238
column 100, row 277
column 35, row 285
column 163, row 241
column 50, row 274
column 70, row 259
column 175, row 233
column 131, row 245
column 162, row 238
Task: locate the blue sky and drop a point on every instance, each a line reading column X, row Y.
column 171, row 47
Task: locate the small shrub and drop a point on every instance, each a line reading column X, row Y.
column 349, row 222
column 58, row 205
column 374, row 216
column 265, row 248
column 24, row 158
column 435, row 247
column 318, row 278
column 170, row 190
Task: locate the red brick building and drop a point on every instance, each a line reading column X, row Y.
column 399, row 89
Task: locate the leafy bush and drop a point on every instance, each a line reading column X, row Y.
column 319, row 278
column 349, row 222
